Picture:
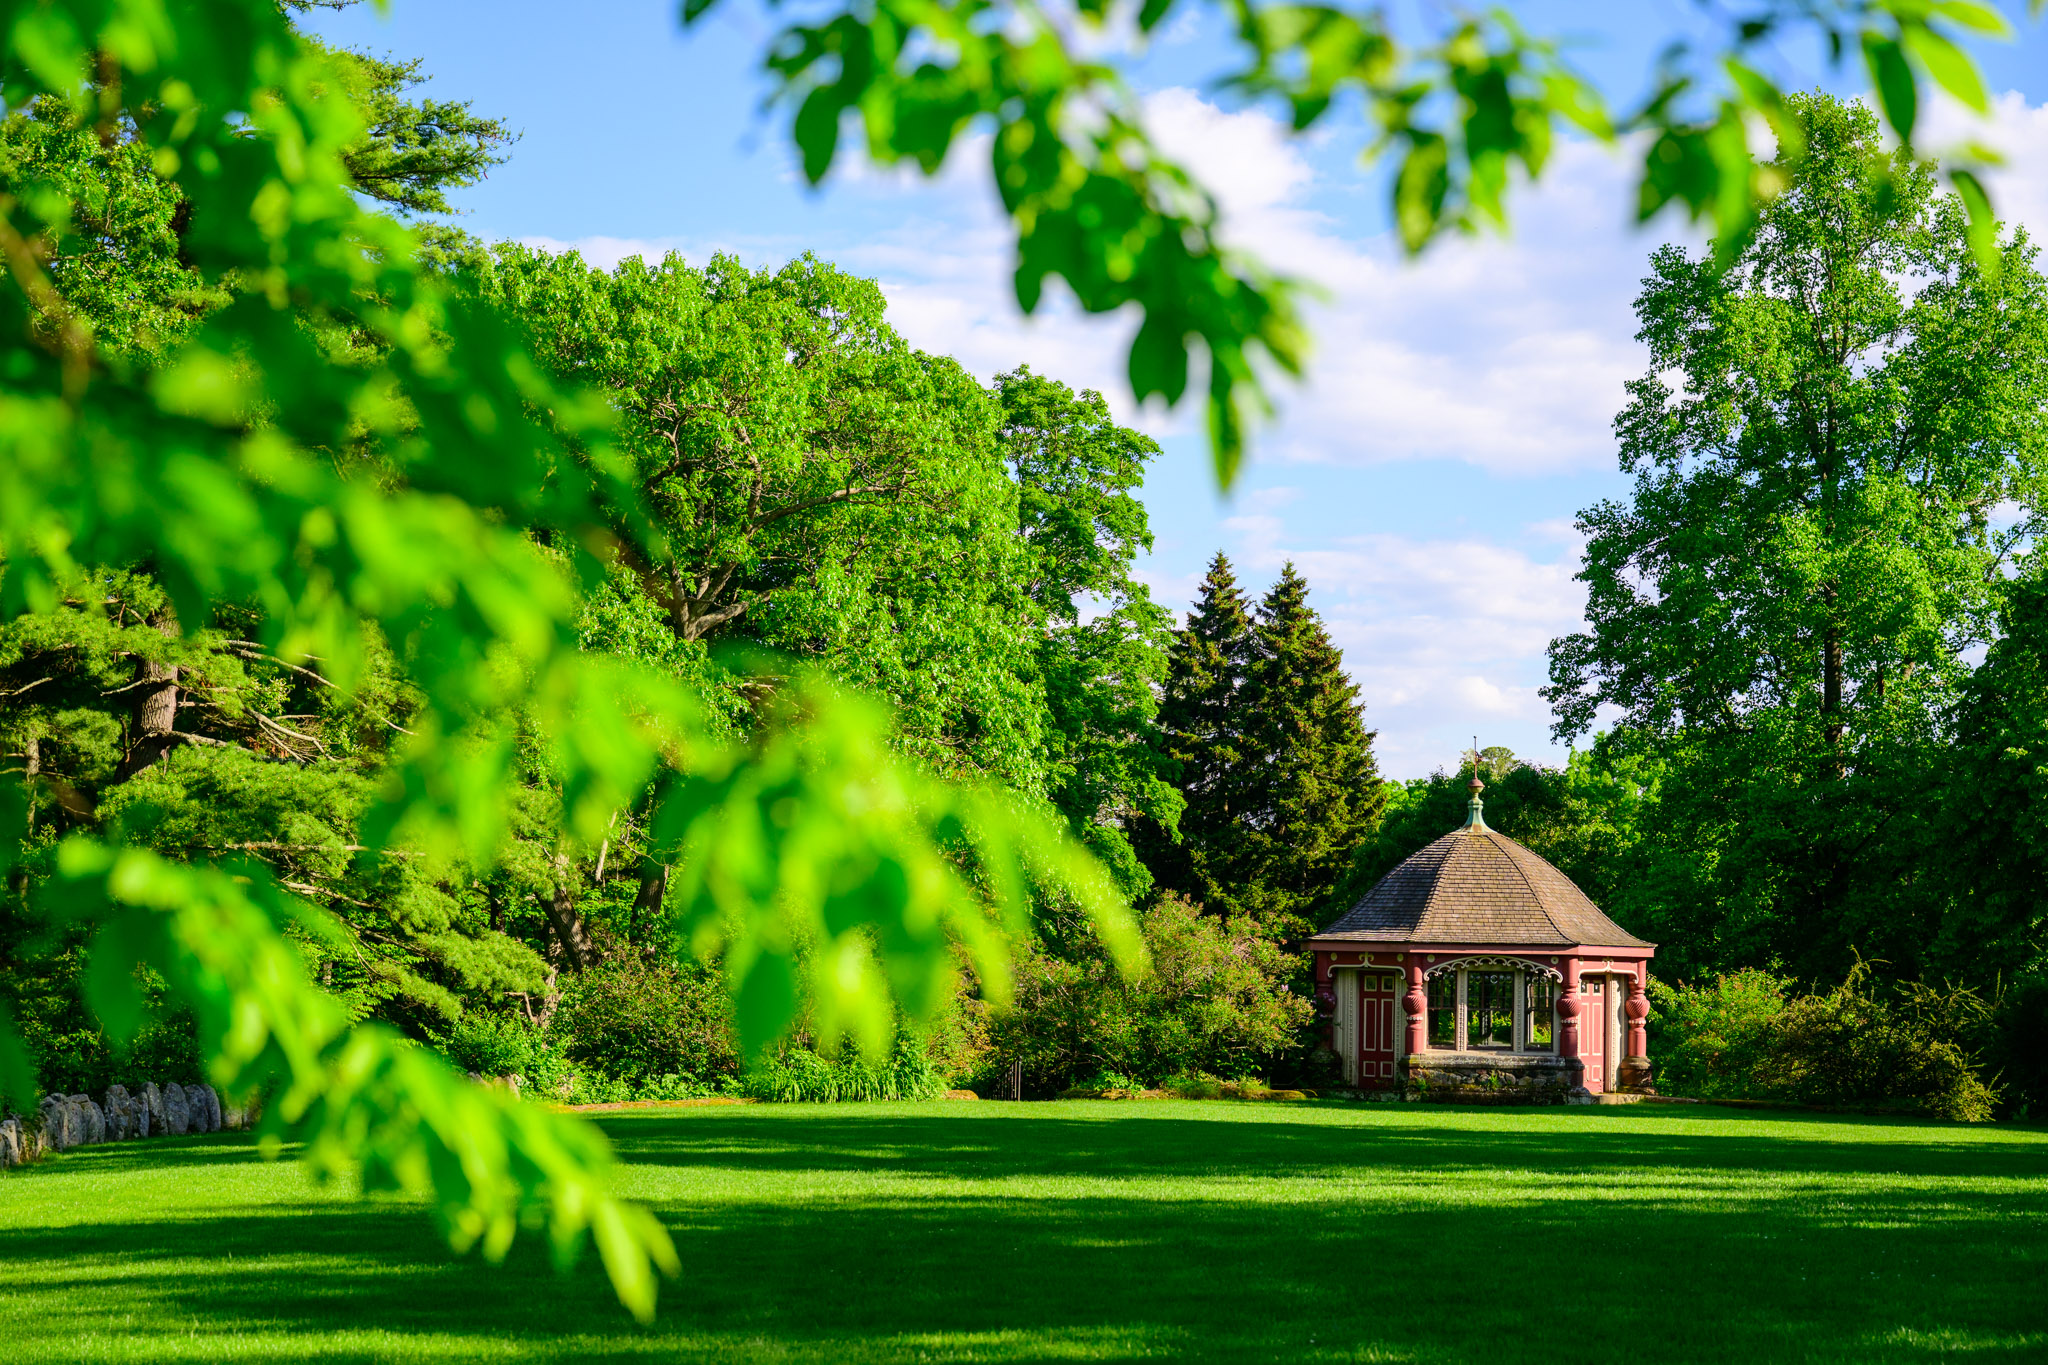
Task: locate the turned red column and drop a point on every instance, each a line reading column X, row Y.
column 1637, row 1009
column 1415, row 1003
column 1635, row 1063
column 1568, row 1010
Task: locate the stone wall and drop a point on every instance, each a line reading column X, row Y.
column 163, row 1109
column 1492, row 1078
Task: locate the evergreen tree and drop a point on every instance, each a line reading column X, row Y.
column 1206, row 669
column 1310, row 791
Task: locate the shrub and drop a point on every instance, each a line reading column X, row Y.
column 1216, row 1000
column 495, row 1045
column 1713, row 1041
column 637, row 1020
column 1849, row 1047
column 1746, row 1036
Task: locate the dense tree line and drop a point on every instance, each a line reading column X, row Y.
column 1818, row 619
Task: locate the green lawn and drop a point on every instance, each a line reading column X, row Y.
column 1000, row 1232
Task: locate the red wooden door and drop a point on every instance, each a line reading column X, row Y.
column 1593, row 1031
column 1376, row 998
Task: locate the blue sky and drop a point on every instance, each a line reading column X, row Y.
column 1427, row 474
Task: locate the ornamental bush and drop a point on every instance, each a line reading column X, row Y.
column 1217, row 1001
column 637, row 1019
column 1713, row 1041
column 1747, row 1035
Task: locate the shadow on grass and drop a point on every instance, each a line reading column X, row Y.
column 1162, row 1146
column 1438, row 1243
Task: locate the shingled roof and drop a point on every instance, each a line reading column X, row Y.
column 1476, row 885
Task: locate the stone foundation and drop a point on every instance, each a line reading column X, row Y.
column 1491, row 1078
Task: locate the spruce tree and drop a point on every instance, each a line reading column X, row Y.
column 1309, row 790
column 1198, row 724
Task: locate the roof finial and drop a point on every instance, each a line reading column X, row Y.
column 1476, row 819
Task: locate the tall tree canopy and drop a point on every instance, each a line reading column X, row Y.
column 1103, row 641
column 1273, row 759
column 1824, row 448
column 822, row 488
column 1200, row 732
column 1312, row 791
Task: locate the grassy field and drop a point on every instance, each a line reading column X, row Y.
column 1077, row 1231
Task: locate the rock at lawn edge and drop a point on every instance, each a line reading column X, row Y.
column 204, row 1107
column 56, row 1114
column 91, row 1122
column 177, row 1114
column 153, row 1099
column 10, row 1144
column 126, row 1118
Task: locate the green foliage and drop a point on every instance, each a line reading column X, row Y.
column 1714, row 1040
column 1275, row 763
column 114, row 250
column 364, row 464
column 494, row 1044
column 1201, row 731
column 1783, row 609
column 410, row 153
column 800, row 1076
column 1466, row 106
column 1312, row 792
column 1987, row 842
column 819, row 488
column 1102, row 648
column 1748, row 1036
column 1216, row 1000
column 638, row 1018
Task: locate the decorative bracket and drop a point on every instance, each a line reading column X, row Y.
column 1518, row 963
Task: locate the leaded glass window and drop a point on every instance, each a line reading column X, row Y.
column 1542, row 1014
column 1490, row 1010
column 1443, row 1011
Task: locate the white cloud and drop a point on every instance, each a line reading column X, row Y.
column 2019, row 132
column 1440, row 635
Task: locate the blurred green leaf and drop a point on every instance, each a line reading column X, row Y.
column 1983, row 222
column 1892, row 79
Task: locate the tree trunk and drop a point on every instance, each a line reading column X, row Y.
column 1831, row 700
column 653, row 891
column 156, row 705
column 572, row 931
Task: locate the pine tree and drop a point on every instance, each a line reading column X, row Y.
column 1308, row 790
column 1198, row 722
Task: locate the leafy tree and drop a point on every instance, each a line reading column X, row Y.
column 1784, row 607
column 1200, row 727
column 1102, row 651
column 821, row 488
column 411, row 152
column 1988, row 834
column 1311, row 790
column 441, row 499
